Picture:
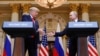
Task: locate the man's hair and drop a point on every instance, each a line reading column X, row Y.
column 33, row 9
column 75, row 12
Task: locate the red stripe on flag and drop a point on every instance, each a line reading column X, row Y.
column 7, row 46
column 92, row 49
column 41, row 48
column 40, row 54
column 67, row 52
column 90, row 54
column 46, row 48
column 4, row 53
column 55, row 53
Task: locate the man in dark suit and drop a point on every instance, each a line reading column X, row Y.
column 32, row 41
column 73, row 40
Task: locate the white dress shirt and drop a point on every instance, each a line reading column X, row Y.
column 76, row 20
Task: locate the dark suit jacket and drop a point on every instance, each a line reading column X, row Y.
column 64, row 32
column 36, row 25
column 72, row 40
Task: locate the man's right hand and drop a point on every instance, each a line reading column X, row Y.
column 40, row 30
column 51, row 33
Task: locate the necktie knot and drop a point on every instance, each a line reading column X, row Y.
column 33, row 19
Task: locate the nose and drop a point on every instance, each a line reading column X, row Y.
column 37, row 13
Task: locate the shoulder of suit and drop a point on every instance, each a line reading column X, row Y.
column 36, row 20
column 25, row 15
column 81, row 21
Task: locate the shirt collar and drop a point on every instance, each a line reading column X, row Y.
column 31, row 16
column 76, row 20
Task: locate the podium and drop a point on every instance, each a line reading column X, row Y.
column 18, row 30
column 82, row 30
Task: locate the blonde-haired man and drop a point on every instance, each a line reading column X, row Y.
column 32, row 41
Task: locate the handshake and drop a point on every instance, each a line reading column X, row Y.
column 51, row 34
column 43, row 33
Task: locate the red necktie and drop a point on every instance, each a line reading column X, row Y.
column 33, row 20
column 34, row 24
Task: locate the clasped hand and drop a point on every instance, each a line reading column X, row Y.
column 40, row 30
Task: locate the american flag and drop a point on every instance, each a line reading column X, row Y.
column 91, row 46
column 43, row 51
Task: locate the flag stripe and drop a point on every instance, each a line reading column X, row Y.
column 55, row 52
column 67, row 54
column 45, row 52
column 92, row 49
column 47, row 49
column 8, row 38
column 90, row 52
column 43, row 49
column 60, row 42
column 58, row 47
column 7, row 46
column 41, row 53
column 4, row 53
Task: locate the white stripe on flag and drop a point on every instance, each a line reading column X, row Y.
column 67, row 52
column 60, row 41
column 91, row 52
column 60, row 38
column 41, row 53
column 92, row 49
column 8, row 38
column 44, row 50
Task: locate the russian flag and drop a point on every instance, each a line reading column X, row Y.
column 7, row 46
column 58, row 46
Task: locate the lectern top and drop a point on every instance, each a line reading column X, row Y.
column 83, row 25
column 17, row 24
column 19, row 29
column 82, row 29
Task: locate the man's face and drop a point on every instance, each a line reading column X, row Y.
column 34, row 13
column 72, row 16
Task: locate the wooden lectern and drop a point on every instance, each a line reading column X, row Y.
column 17, row 30
column 82, row 30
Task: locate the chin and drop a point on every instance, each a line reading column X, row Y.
column 35, row 16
